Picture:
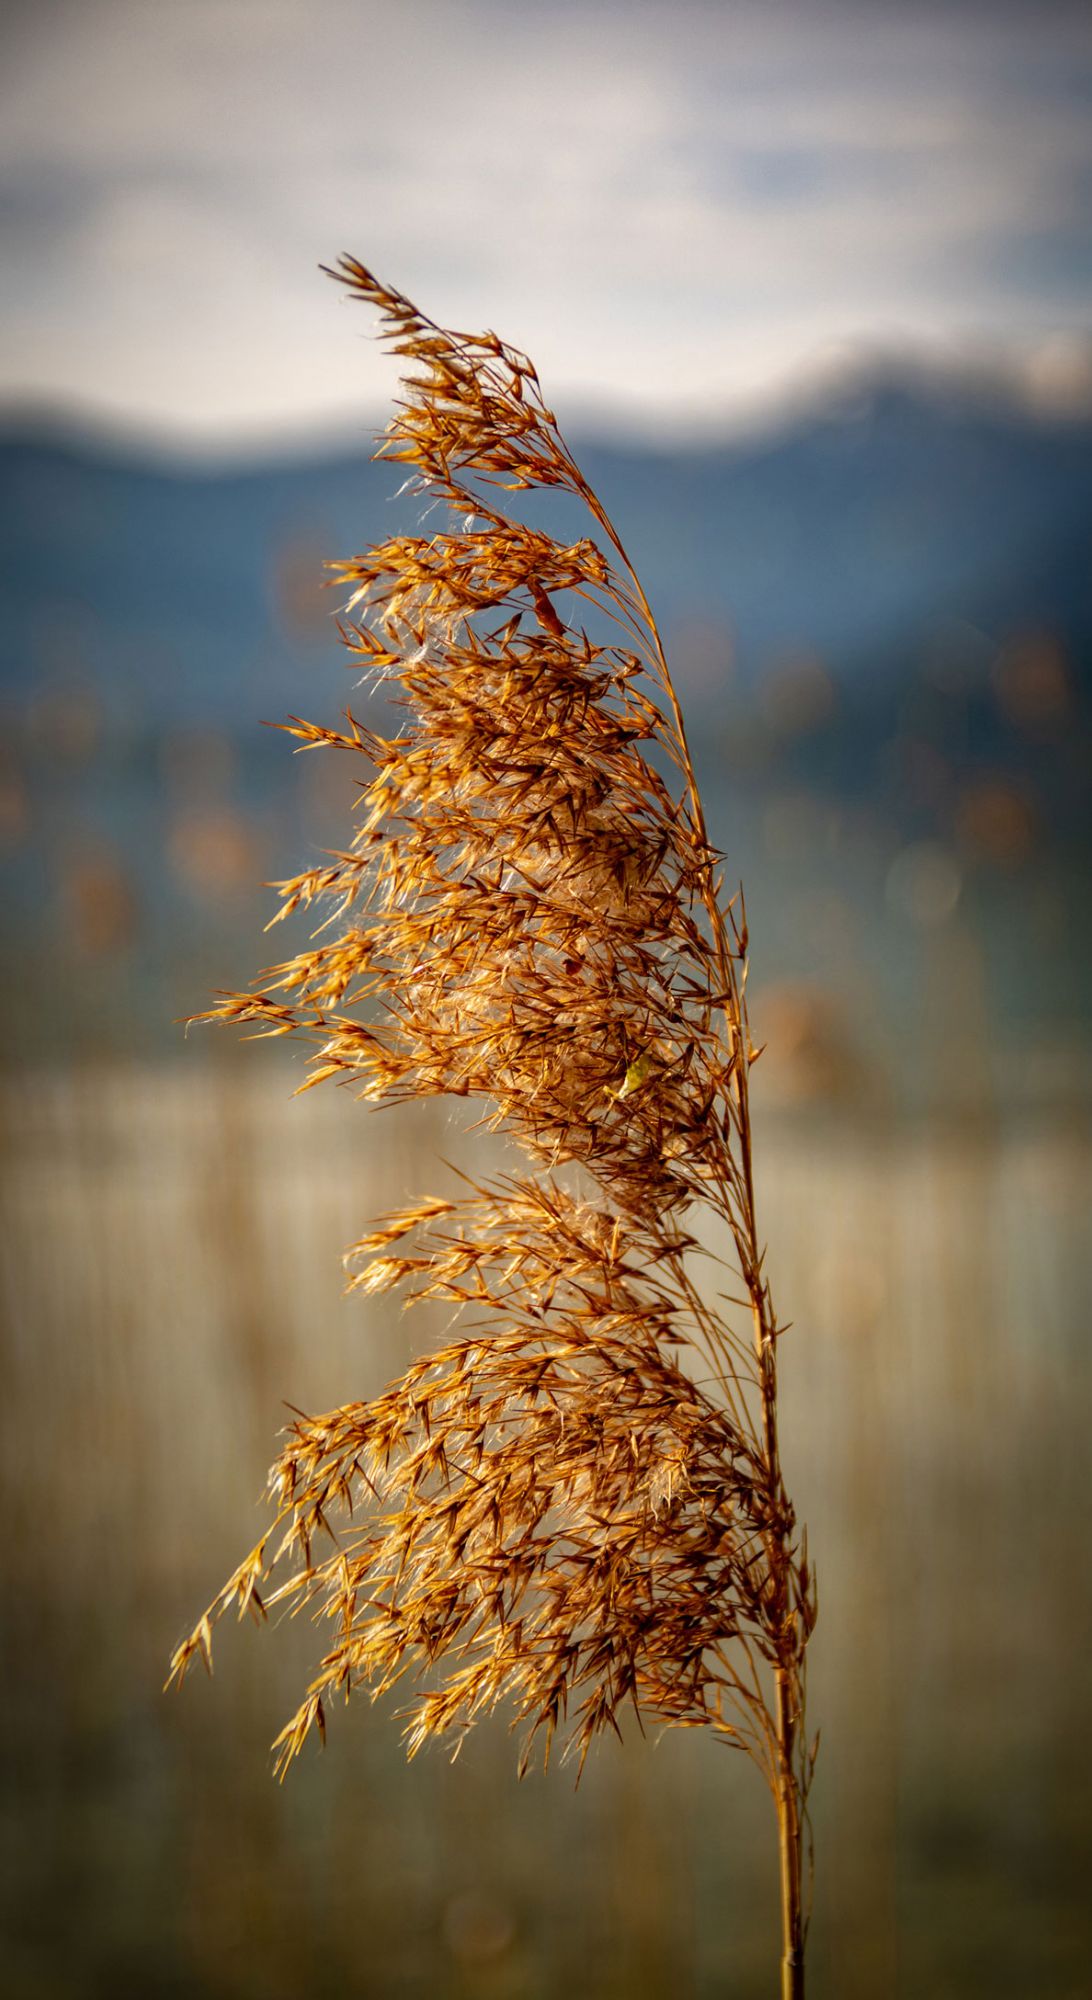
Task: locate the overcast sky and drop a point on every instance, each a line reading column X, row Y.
column 682, row 211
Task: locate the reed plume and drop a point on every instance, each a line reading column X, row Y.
column 576, row 1507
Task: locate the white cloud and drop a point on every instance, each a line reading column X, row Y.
column 671, row 206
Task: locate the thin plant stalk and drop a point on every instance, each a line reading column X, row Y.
column 789, row 1702
column 576, row 1507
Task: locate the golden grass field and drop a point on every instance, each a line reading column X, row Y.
column 171, row 1240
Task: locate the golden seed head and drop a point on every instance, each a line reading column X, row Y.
column 551, row 1510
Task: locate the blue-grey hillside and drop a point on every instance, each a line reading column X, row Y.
column 858, row 533
column 880, row 617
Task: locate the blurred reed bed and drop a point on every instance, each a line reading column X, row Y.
column 170, row 1272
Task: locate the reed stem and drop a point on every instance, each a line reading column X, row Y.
column 788, row 1826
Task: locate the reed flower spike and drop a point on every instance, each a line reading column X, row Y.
column 576, row 1506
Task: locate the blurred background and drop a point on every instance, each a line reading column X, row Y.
column 810, row 287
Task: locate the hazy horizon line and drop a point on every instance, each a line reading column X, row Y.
column 839, row 389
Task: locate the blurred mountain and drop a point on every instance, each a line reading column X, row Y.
column 869, row 524
column 856, row 532
column 880, row 618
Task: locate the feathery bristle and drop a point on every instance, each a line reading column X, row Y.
column 552, row 1511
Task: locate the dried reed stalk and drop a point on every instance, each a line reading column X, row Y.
column 557, row 1509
